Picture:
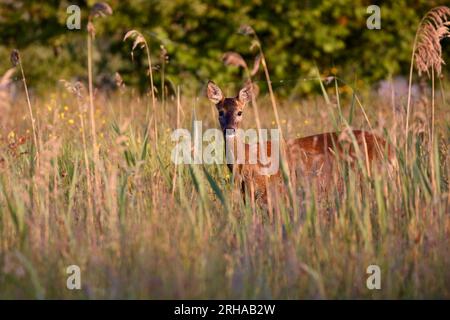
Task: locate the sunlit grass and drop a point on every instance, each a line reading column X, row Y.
column 148, row 238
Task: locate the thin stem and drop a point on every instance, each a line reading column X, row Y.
column 175, row 170
column 408, row 106
column 411, row 69
column 432, row 104
column 93, row 129
column 86, row 162
column 277, row 119
column 433, row 177
column 258, row 126
column 149, row 60
column 33, row 121
column 163, row 67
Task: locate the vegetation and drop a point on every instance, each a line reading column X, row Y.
column 296, row 36
column 86, row 177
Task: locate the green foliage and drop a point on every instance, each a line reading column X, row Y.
column 295, row 37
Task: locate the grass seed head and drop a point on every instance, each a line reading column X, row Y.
column 234, row 59
column 15, row 57
column 100, row 9
column 434, row 28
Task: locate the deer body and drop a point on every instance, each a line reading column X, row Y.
column 313, row 158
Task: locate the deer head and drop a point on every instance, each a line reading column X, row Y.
column 231, row 110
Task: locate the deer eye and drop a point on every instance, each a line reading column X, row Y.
column 221, row 113
column 239, row 113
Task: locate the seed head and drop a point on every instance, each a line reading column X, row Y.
column 138, row 38
column 245, row 29
column 234, row 59
column 15, row 57
column 434, row 28
column 100, row 9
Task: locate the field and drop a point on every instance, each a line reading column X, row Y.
column 90, row 182
column 143, row 237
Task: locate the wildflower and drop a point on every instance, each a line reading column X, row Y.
column 70, row 121
column 347, row 89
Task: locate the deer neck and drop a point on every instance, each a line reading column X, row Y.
column 230, row 145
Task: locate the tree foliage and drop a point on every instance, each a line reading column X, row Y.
column 296, row 36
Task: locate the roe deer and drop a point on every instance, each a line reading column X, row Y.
column 309, row 157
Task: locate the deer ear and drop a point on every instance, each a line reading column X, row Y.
column 214, row 93
column 245, row 95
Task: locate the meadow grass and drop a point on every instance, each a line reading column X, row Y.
column 154, row 235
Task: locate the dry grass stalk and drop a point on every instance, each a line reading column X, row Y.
column 100, row 9
column 427, row 51
column 249, row 31
column 16, row 61
column 235, row 59
column 434, row 28
column 139, row 40
column 164, row 58
column 175, row 169
column 78, row 90
column 121, row 86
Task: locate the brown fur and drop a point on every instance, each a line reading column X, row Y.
column 312, row 158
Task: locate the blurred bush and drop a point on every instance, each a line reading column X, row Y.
column 295, row 35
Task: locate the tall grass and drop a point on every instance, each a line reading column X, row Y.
column 17, row 61
column 140, row 41
column 98, row 10
column 427, row 54
column 184, row 231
